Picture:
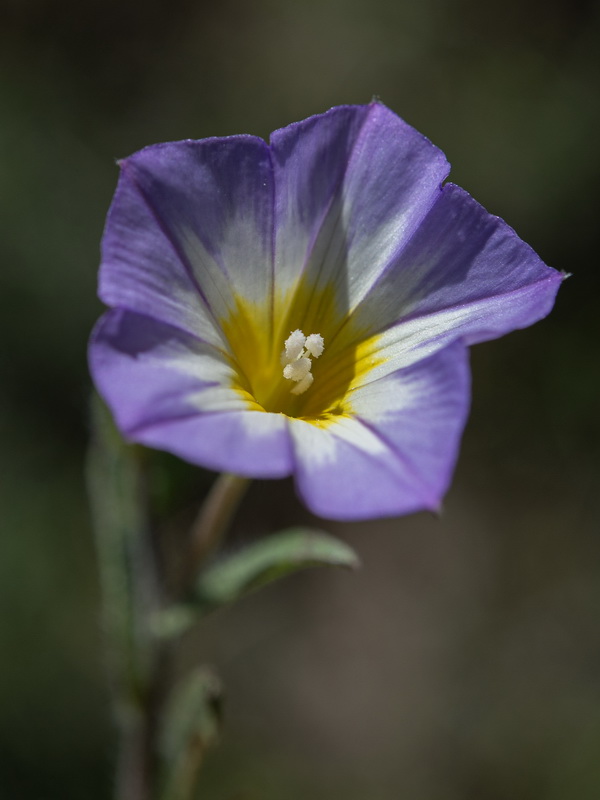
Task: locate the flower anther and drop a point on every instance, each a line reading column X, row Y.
column 296, row 359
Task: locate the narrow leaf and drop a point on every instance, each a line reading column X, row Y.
column 116, row 489
column 269, row 559
column 262, row 562
column 193, row 722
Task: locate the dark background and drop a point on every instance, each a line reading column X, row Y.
column 463, row 661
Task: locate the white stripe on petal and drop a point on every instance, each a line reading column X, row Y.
column 351, row 187
column 395, row 451
column 416, row 339
column 218, row 398
column 318, row 444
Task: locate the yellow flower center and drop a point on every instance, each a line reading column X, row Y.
column 312, row 379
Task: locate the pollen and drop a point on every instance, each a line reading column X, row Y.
column 314, row 344
column 296, row 358
column 294, row 345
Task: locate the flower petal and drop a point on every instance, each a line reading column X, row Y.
column 465, row 274
column 190, row 231
column 396, row 451
column 170, row 390
column 250, row 443
column 351, row 186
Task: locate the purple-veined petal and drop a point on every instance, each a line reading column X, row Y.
column 190, row 231
column 170, row 390
column 396, row 451
column 250, row 443
column 465, row 274
column 351, row 186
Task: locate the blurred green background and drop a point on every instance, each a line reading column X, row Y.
column 463, row 661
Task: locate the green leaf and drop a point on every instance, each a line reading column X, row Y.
column 193, row 721
column 259, row 564
column 269, row 559
column 117, row 496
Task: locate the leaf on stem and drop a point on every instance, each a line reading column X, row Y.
column 257, row 565
column 269, row 559
column 116, row 487
column 192, row 726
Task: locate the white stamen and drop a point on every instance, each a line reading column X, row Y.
column 298, row 369
column 314, row 344
column 295, row 360
column 294, row 345
column 301, row 387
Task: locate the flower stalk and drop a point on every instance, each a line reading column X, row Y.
column 213, row 519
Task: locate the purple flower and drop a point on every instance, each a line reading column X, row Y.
column 304, row 307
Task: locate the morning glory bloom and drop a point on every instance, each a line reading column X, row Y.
column 304, row 307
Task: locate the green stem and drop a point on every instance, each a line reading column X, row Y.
column 137, row 769
column 213, row 519
column 206, row 533
column 134, row 769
